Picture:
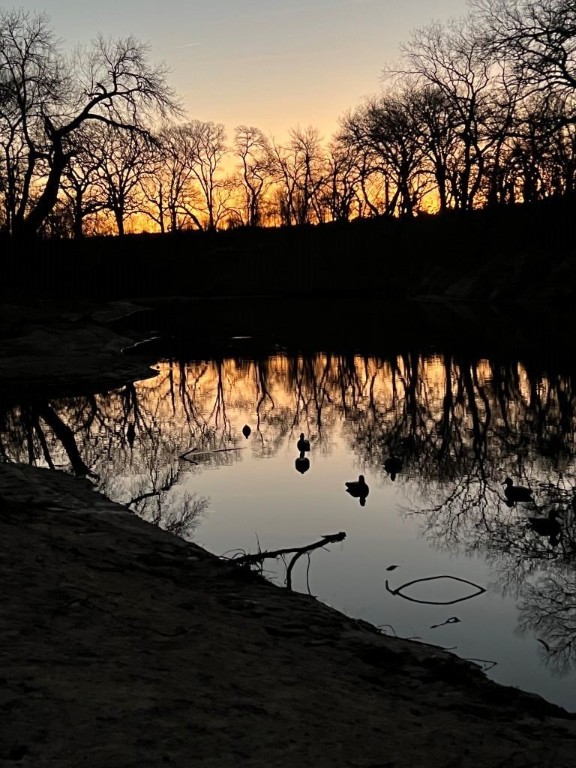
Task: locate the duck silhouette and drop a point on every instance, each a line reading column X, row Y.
column 516, row 493
column 358, row 489
column 393, row 465
column 303, row 444
column 547, row 526
column 246, row 431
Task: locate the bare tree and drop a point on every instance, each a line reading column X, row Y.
column 207, row 142
column 537, row 40
column 436, row 124
column 562, row 168
column 118, row 179
column 256, row 169
column 170, row 190
column 538, row 37
column 79, row 177
column 46, row 98
column 388, row 128
column 452, row 59
column 29, row 84
column 340, row 191
column 301, row 171
column 374, row 186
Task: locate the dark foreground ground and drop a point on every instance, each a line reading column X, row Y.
column 123, row 646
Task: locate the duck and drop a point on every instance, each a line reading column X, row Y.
column 547, row 526
column 246, row 431
column 393, row 465
column 516, row 493
column 303, row 444
column 358, row 488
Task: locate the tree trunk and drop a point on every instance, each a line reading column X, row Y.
column 26, row 227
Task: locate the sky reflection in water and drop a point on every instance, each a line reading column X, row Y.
column 459, row 427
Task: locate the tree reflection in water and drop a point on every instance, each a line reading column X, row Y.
column 457, row 426
column 548, row 608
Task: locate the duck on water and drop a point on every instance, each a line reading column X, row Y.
column 303, row 444
column 358, row 489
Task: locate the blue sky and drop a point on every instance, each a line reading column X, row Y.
column 273, row 64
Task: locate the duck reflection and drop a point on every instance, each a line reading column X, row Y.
column 393, row 465
column 358, row 489
column 548, row 527
column 302, row 463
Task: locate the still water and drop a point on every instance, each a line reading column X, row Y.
column 173, row 448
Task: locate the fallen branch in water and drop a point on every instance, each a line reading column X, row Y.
column 485, row 664
column 398, row 590
column 259, row 557
column 194, row 452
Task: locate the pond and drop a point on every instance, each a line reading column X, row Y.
column 435, row 551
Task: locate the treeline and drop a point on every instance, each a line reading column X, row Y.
column 479, row 112
column 523, row 253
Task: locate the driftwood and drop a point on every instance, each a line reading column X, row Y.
column 259, row 557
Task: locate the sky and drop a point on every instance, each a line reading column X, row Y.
column 272, row 64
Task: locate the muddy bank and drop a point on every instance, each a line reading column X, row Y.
column 57, row 349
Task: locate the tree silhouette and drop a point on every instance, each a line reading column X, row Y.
column 46, row 99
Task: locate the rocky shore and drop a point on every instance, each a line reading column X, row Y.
column 123, row 645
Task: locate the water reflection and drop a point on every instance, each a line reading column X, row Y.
column 302, row 463
column 548, row 608
column 393, row 465
column 447, row 429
